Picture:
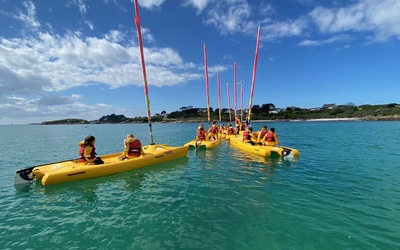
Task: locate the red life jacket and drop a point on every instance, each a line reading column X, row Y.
column 135, row 148
column 246, row 136
column 270, row 136
column 213, row 130
column 82, row 153
column 237, row 121
column 230, row 131
column 201, row 134
column 263, row 133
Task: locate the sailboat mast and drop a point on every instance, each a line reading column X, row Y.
column 219, row 98
column 146, row 90
column 253, row 80
column 229, row 102
column 207, row 89
column 241, row 100
column 234, row 88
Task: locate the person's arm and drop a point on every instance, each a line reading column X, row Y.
column 276, row 139
column 259, row 136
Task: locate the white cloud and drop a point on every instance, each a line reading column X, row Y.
column 276, row 30
column 338, row 38
column 28, row 18
column 81, row 6
column 200, row 5
column 379, row 17
column 55, row 63
column 151, row 4
column 36, row 69
column 53, row 107
column 89, row 24
column 231, row 17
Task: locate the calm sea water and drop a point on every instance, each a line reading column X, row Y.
column 342, row 193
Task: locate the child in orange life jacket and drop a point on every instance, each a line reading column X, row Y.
column 132, row 147
column 213, row 132
column 271, row 138
column 87, row 151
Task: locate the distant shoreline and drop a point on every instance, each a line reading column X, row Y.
column 369, row 118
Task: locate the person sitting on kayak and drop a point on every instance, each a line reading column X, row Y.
column 248, row 136
column 132, row 148
column 271, row 138
column 213, row 132
column 230, row 130
column 201, row 133
column 261, row 134
column 222, row 130
column 87, row 151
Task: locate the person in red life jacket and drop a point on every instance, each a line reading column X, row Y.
column 230, row 130
column 213, row 132
column 238, row 124
column 271, row 138
column 261, row 134
column 243, row 127
column 201, row 133
column 222, row 130
column 132, row 148
column 248, row 136
column 87, row 151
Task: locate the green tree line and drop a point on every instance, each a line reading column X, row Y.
column 267, row 111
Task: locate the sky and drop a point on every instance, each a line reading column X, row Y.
column 80, row 58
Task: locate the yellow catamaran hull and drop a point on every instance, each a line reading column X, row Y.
column 203, row 144
column 74, row 170
column 265, row 151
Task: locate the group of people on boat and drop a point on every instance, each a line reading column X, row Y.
column 263, row 137
column 211, row 134
column 87, row 150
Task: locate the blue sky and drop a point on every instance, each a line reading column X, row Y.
column 80, row 58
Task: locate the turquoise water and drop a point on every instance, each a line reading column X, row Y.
column 342, row 193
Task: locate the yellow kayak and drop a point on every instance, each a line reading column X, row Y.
column 228, row 137
column 202, row 144
column 73, row 170
column 265, row 151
